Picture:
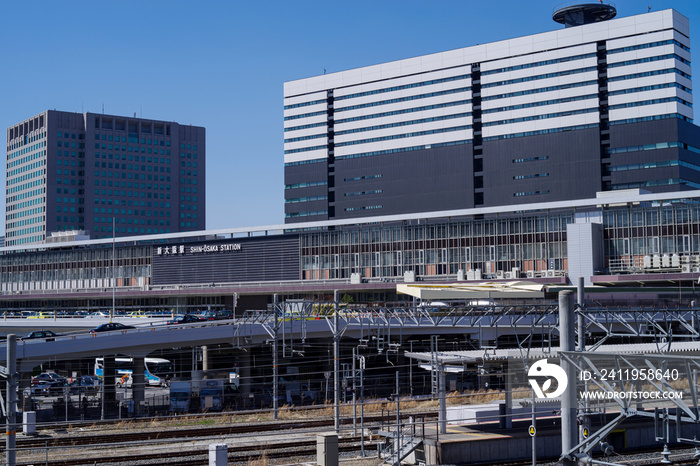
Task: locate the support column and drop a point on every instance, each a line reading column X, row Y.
column 336, row 362
column 581, row 324
column 11, row 403
column 109, row 380
column 138, row 384
column 569, row 427
column 509, row 398
column 275, row 362
column 205, row 358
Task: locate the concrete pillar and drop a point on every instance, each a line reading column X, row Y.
column 138, row 384
column 11, row 401
column 567, row 341
column 109, row 380
column 218, row 454
column 205, row 358
column 327, row 449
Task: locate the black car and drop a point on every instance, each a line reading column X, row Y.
column 40, row 334
column 85, row 384
column 111, row 326
column 187, row 319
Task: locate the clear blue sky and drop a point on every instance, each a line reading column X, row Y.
column 222, row 65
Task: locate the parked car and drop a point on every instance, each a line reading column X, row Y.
column 40, row 334
column 84, row 384
column 111, row 326
column 187, row 319
column 48, row 388
column 48, row 377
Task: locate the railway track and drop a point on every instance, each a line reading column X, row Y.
column 169, row 433
column 199, row 456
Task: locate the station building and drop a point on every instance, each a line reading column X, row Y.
column 601, row 105
column 76, row 172
column 625, row 238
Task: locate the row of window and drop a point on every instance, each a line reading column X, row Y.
column 557, row 74
column 134, row 221
column 306, row 214
column 531, row 193
column 365, row 177
column 137, row 212
column 661, row 164
column 658, row 145
column 405, row 86
column 307, row 184
column 405, row 123
column 664, row 182
column 133, row 140
column 362, row 193
column 651, row 102
column 540, row 103
column 527, row 177
column 531, row 159
column 27, row 195
column 26, row 139
column 637, row 61
column 108, row 192
column 651, row 118
column 143, row 150
column 368, row 207
column 24, row 213
column 26, row 150
column 306, row 199
column 26, row 177
column 541, row 117
column 541, row 131
column 402, row 149
column 25, row 168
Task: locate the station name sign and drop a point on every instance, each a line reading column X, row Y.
column 204, row 249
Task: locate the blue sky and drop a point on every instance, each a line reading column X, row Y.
column 222, row 65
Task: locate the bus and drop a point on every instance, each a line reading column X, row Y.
column 158, row 371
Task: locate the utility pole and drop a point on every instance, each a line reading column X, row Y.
column 275, row 368
column 11, row 404
column 569, row 426
column 336, row 361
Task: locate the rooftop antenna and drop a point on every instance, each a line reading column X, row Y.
column 103, row 108
column 324, row 71
column 648, row 8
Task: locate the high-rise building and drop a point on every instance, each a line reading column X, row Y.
column 71, row 171
column 600, row 105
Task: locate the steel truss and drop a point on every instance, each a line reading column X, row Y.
column 626, row 378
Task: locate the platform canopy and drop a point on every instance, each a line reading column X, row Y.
column 472, row 291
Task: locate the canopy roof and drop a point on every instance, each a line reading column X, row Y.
column 482, row 290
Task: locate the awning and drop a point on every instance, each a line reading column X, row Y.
column 473, row 291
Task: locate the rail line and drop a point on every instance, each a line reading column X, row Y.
column 198, row 456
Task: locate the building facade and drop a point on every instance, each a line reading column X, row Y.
column 555, row 116
column 627, row 239
column 70, row 171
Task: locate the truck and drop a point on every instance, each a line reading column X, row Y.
column 211, row 395
column 182, row 392
column 196, row 395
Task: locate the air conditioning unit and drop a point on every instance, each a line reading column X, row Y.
column 409, row 276
column 656, row 261
column 685, row 259
column 530, row 274
column 685, row 268
column 665, row 260
column 460, row 275
column 355, row 278
column 647, row 262
column 550, row 273
column 499, row 274
column 675, row 260
column 515, row 272
column 508, row 275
